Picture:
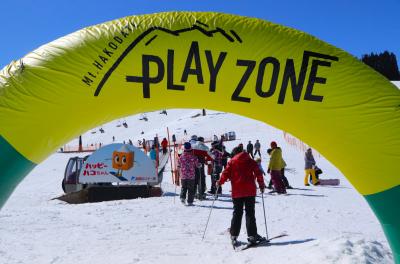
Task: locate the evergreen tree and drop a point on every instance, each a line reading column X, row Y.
column 384, row 63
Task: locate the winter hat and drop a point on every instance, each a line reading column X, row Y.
column 187, row 146
column 194, row 137
column 201, row 139
column 273, row 144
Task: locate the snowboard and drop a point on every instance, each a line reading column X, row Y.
column 243, row 246
column 333, row 182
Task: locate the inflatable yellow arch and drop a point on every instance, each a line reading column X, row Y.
column 247, row 66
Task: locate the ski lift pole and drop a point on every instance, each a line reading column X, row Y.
column 157, row 152
column 209, row 215
column 170, row 158
column 265, row 218
column 176, row 181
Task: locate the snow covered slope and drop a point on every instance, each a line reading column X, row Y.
column 325, row 224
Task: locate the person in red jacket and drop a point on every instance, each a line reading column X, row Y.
column 164, row 145
column 243, row 172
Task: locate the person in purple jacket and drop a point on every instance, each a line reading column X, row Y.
column 187, row 164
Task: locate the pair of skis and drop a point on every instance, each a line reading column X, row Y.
column 240, row 246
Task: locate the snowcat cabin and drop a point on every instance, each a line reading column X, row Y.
column 70, row 182
column 231, row 135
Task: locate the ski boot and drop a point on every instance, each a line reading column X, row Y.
column 234, row 241
column 255, row 239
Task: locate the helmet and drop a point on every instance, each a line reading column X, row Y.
column 187, row 146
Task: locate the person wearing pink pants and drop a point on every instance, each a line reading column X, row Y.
column 275, row 165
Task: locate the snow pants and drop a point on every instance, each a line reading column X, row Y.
column 187, row 187
column 257, row 151
column 214, row 178
column 200, row 181
column 277, row 181
column 317, row 173
column 249, row 204
column 284, row 179
column 313, row 177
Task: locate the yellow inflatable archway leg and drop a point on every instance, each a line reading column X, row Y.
column 247, row 66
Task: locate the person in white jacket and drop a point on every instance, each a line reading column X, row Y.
column 202, row 152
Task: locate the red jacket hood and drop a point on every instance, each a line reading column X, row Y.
column 242, row 157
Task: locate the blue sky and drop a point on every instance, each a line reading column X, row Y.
column 356, row 26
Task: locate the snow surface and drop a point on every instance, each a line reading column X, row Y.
column 325, row 224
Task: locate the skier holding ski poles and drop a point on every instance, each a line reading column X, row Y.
column 243, row 172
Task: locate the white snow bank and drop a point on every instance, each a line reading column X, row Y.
column 348, row 249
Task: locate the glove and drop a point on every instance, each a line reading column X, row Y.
column 262, row 189
column 268, row 171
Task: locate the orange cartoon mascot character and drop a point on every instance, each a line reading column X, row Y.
column 122, row 160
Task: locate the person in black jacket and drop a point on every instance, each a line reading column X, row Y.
column 249, row 149
column 257, row 147
column 225, row 156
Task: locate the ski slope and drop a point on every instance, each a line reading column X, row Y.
column 325, row 224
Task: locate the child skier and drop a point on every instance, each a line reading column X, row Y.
column 258, row 160
column 187, row 164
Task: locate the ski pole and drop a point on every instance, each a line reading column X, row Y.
column 265, row 219
column 209, row 215
column 175, row 191
column 200, row 188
